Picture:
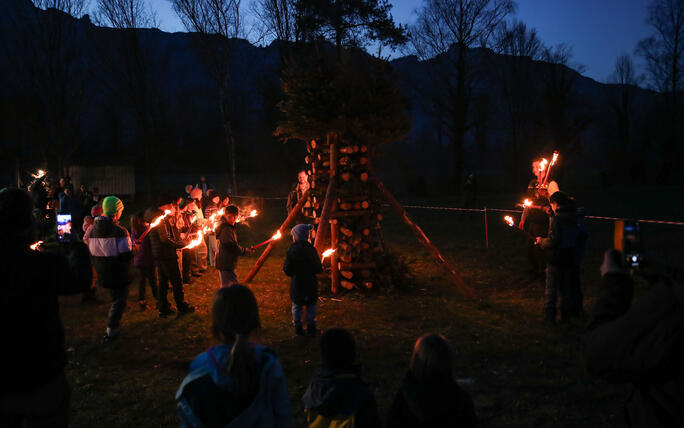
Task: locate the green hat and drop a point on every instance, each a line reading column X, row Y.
column 112, row 205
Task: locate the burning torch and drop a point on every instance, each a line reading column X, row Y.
column 553, row 162
column 154, row 224
column 35, row 245
column 509, row 221
column 195, row 242
column 275, row 237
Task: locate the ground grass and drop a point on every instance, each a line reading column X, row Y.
column 519, row 371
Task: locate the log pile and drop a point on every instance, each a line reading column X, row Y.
column 355, row 217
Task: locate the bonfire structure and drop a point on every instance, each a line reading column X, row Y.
column 345, row 111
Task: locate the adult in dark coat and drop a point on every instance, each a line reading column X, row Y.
column 228, row 249
column 641, row 344
column 561, row 257
column 429, row 396
column 302, row 263
column 34, row 389
column 165, row 242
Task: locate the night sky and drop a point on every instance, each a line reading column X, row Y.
column 597, row 30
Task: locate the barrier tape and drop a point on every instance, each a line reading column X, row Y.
column 436, row 208
column 427, row 207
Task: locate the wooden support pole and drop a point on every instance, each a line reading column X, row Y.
column 486, row 229
column 334, row 268
column 423, row 239
column 282, row 229
column 322, row 234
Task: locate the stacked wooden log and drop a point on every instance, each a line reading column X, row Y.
column 355, row 230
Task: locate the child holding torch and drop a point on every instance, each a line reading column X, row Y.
column 302, row 263
column 228, row 250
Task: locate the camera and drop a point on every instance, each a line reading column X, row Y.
column 629, row 240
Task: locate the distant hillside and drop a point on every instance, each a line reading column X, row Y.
column 185, row 120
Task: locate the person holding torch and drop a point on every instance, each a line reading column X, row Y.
column 302, row 263
column 228, row 249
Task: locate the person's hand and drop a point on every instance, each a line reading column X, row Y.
column 537, row 240
column 249, row 250
column 136, row 248
column 521, row 225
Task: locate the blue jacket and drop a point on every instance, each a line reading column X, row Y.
column 207, row 382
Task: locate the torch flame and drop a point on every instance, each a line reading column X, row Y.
column 35, row 245
column 195, row 242
column 526, row 203
column 158, row 220
column 327, row 252
column 509, row 220
column 542, row 164
column 253, row 213
column 38, row 174
column 276, row 236
column 554, row 159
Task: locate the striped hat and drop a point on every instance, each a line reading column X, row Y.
column 112, row 205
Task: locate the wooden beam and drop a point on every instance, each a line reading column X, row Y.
column 283, row 230
column 423, row 239
column 323, row 232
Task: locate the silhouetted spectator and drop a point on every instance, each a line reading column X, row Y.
column 204, row 186
column 336, row 395
column 429, row 395
column 143, row 261
column 237, row 383
column 34, row 389
column 302, row 263
column 111, row 250
column 640, row 344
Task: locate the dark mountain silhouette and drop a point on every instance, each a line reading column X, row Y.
column 185, row 120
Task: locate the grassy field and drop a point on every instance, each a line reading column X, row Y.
column 519, row 371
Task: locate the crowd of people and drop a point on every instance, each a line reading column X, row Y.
column 240, row 382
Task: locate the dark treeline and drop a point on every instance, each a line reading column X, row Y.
column 486, row 96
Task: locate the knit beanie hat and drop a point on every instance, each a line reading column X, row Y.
column 111, row 205
column 301, row 232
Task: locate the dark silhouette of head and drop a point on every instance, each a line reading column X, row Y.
column 432, row 358
column 338, row 349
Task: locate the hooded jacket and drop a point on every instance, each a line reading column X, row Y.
column 302, row 263
column 206, row 397
column 339, row 397
column 431, row 404
column 111, row 251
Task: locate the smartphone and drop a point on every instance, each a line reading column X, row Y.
column 632, row 243
column 64, row 227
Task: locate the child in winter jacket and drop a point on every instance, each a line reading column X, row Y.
column 302, row 263
column 336, row 395
column 238, row 383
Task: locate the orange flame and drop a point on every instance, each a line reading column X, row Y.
column 254, row 213
column 526, row 203
column 542, row 164
column 158, row 220
column 509, row 220
column 277, row 236
column 327, row 252
column 554, row 158
column 35, row 245
column 195, row 242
